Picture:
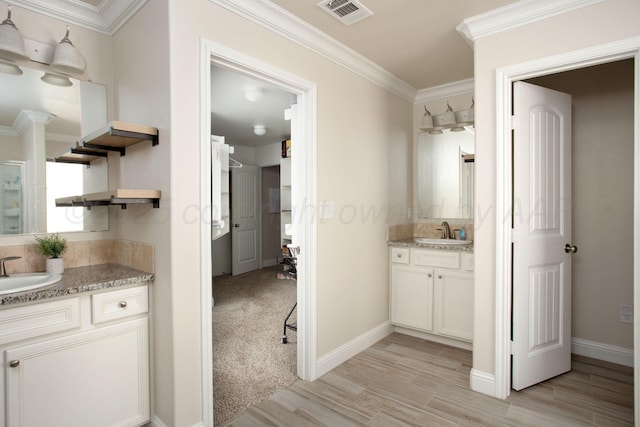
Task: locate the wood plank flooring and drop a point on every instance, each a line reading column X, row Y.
column 407, row 381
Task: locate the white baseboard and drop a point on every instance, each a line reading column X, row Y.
column 482, row 382
column 346, row 351
column 465, row 345
column 157, row 422
column 608, row 353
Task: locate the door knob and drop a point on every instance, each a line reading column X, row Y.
column 236, row 225
column 570, row 248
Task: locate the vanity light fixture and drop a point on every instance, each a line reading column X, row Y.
column 56, row 80
column 11, row 41
column 259, row 130
column 66, row 58
column 454, row 121
column 9, row 68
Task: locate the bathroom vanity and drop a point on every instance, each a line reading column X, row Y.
column 431, row 290
column 77, row 353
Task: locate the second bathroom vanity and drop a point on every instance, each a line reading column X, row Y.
column 431, row 290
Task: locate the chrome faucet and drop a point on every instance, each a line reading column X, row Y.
column 3, row 270
column 446, row 231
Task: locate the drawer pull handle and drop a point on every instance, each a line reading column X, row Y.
column 14, row 363
column 122, row 304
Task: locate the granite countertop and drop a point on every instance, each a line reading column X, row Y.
column 82, row 279
column 412, row 243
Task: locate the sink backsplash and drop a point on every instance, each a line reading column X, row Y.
column 84, row 253
column 406, row 231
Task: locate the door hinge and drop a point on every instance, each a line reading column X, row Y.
column 510, row 347
column 513, row 120
column 512, row 236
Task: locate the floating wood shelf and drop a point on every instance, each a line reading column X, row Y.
column 81, row 155
column 121, row 197
column 116, row 136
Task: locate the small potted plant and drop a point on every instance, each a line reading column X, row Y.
column 53, row 246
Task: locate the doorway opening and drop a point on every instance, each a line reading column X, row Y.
column 251, row 297
column 302, row 193
column 504, row 78
column 597, row 180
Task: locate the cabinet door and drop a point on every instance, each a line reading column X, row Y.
column 412, row 297
column 95, row 378
column 453, row 304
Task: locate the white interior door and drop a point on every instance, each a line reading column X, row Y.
column 541, row 331
column 245, row 210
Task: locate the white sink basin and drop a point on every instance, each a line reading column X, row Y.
column 449, row 242
column 21, row 282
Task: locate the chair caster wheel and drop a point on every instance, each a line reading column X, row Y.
column 283, row 340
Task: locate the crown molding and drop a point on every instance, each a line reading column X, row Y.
column 106, row 18
column 460, row 87
column 281, row 22
column 515, row 15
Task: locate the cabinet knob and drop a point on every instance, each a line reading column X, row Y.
column 14, row 363
column 429, row 275
column 399, row 255
column 439, row 276
column 122, row 304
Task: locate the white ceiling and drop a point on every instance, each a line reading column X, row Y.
column 414, row 40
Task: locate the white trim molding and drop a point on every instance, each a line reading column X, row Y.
column 460, row 87
column 278, row 20
column 106, row 18
column 608, row 353
column 346, row 351
column 515, row 15
column 482, row 382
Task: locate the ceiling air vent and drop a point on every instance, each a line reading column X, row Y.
column 345, row 11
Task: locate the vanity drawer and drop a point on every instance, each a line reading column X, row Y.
column 34, row 320
column 400, row 255
column 118, row 304
column 435, row 258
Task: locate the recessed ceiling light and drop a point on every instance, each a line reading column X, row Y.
column 253, row 94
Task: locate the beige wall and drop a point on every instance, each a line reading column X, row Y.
column 360, row 127
column 607, row 21
column 602, row 133
column 141, row 58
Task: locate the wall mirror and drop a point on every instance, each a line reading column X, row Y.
column 445, row 174
column 39, row 122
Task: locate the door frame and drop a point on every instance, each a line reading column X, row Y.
column 505, row 76
column 305, row 174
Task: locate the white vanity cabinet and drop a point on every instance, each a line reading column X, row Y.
column 92, row 371
column 431, row 291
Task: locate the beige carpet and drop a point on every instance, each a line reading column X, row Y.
column 249, row 362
